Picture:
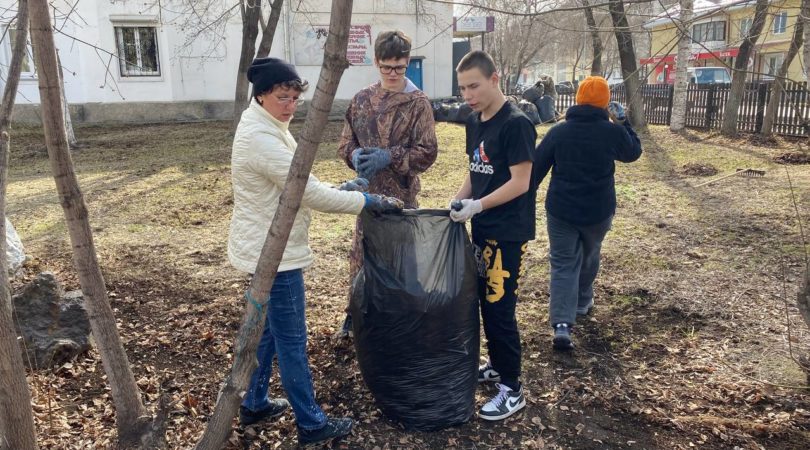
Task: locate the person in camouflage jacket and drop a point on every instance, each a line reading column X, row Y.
column 389, row 136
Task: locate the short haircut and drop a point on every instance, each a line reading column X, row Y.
column 392, row 45
column 477, row 59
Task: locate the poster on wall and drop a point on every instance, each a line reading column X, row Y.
column 309, row 40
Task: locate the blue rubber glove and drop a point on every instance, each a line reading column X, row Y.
column 372, row 160
column 356, row 157
column 378, row 204
column 616, row 111
column 358, row 185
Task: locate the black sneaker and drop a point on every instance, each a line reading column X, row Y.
column 504, row 404
column 276, row 408
column 486, row 374
column 345, row 331
column 336, row 427
column 562, row 337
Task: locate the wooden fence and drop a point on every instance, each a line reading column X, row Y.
column 705, row 104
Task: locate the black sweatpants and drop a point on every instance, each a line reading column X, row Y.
column 499, row 268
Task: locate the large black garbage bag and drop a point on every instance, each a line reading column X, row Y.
column 545, row 109
column 530, row 110
column 533, row 94
column 415, row 318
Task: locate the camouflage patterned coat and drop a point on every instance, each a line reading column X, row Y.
column 401, row 122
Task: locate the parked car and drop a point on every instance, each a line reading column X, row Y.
column 565, row 87
column 702, row 76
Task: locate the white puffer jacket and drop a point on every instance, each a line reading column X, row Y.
column 262, row 154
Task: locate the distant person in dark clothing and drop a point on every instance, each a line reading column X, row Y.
column 581, row 199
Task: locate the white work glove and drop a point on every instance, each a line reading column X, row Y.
column 469, row 208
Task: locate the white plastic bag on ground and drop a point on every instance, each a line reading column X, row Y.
column 15, row 253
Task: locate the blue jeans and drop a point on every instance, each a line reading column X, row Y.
column 574, row 254
column 285, row 335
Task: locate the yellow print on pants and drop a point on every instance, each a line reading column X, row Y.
column 495, row 274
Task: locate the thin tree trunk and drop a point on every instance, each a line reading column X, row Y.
column 596, row 40
column 678, row 120
column 335, row 62
column 731, row 110
column 16, row 417
column 251, row 12
column 269, row 30
column 134, row 426
column 805, row 12
column 627, row 57
column 803, row 299
column 778, row 86
column 71, row 136
column 580, row 51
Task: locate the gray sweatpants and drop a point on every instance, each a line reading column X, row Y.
column 574, row 253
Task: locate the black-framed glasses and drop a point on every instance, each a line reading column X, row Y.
column 386, row 69
column 284, row 101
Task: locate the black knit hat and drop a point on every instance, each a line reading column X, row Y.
column 265, row 73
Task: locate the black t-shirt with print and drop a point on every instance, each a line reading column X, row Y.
column 506, row 139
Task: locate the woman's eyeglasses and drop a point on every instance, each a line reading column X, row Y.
column 284, row 101
column 398, row 69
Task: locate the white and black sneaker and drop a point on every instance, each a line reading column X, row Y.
column 486, row 374
column 503, row 405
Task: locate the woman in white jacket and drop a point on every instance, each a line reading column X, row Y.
column 263, row 150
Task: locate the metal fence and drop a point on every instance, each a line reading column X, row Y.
column 705, row 105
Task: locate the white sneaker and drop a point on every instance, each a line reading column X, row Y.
column 503, row 405
column 486, row 374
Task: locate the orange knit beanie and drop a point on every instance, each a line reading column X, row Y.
column 593, row 91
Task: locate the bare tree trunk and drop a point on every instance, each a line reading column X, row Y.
column 269, row 30
column 596, row 40
column 251, row 12
column 335, row 62
column 71, row 136
column 580, row 51
column 16, row 417
column 627, row 57
column 778, row 86
column 803, row 302
column 134, row 425
column 731, row 110
column 678, row 120
column 805, row 12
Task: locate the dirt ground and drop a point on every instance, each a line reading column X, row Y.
column 692, row 343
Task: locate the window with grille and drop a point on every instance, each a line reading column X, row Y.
column 138, row 51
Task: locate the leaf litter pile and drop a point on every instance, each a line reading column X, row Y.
column 692, row 343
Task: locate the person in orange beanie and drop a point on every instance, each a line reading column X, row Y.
column 594, row 91
column 581, row 198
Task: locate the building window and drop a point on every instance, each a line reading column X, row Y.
column 780, row 23
column 138, row 51
column 28, row 68
column 745, row 26
column 772, row 63
column 708, row 32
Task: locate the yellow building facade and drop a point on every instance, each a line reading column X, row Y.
column 718, row 29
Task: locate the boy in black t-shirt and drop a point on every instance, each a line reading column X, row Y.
column 499, row 196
